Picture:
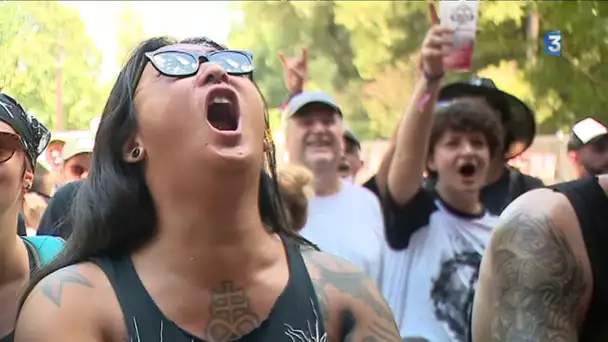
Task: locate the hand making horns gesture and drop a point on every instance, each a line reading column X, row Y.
column 295, row 71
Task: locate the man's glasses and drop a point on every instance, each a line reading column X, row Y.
column 186, row 63
column 9, row 144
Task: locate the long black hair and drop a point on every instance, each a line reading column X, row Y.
column 113, row 211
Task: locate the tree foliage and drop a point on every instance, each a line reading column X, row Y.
column 36, row 40
column 130, row 32
column 365, row 54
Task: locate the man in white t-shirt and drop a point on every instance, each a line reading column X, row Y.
column 344, row 219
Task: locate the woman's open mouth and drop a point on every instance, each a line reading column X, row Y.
column 222, row 115
column 222, row 110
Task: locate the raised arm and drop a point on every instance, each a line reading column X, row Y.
column 352, row 308
column 535, row 280
column 413, row 133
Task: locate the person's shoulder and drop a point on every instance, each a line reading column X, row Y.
column 530, row 182
column 539, row 211
column 536, row 252
column 72, row 295
column 363, row 195
column 347, row 293
column 69, row 189
column 360, row 190
column 537, row 203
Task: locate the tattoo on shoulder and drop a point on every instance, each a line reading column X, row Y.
column 540, row 282
column 333, row 272
column 53, row 285
column 231, row 314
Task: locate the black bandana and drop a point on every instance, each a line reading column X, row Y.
column 34, row 136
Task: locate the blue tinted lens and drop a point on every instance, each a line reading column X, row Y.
column 175, row 63
column 233, row 62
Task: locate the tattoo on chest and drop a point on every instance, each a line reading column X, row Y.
column 231, row 315
column 54, row 284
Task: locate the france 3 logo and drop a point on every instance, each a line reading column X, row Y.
column 553, row 43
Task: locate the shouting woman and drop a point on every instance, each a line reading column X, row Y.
column 179, row 234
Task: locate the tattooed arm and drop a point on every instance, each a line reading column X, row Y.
column 535, row 280
column 63, row 307
column 352, row 308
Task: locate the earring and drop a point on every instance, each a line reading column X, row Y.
column 135, row 153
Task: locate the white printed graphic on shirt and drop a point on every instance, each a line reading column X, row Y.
column 312, row 335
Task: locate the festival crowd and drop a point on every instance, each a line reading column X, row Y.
column 173, row 222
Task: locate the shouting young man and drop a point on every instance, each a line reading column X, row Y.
column 440, row 234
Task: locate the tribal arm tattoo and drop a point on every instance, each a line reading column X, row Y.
column 539, row 282
column 370, row 318
column 53, row 285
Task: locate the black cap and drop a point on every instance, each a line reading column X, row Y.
column 34, row 136
column 350, row 136
column 517, row 117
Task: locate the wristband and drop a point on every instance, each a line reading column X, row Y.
column 423, row 101
column 432, row 78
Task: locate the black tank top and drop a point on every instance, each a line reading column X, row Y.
column 591, row 206
column 295, row 314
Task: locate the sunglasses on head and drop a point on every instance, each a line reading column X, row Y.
column 9, row 144
column 180, row 63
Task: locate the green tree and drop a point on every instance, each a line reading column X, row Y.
column 365, row 53
column 386, row 36
column 130, row 32
column 38, row 40
column 268, row 27
column 572, row 86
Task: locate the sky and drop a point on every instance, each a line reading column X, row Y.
column 173, row 18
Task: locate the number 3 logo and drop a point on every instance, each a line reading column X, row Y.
column 555, row 43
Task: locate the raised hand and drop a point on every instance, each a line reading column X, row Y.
column 295, row 71
column 435, row 47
